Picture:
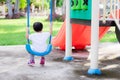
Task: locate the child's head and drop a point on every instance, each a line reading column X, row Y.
column 37, row 26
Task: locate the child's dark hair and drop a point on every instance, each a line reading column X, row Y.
column 38, row 26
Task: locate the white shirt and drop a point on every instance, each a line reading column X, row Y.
column 39, row 41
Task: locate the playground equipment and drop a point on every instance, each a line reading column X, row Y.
column 94, row 20
column 28, row 48
column 82, row 7
column 68, row 41
column 79, row 4
column 80, row 36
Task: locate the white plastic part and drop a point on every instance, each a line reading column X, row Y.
column 68, row 51
column 94, row 35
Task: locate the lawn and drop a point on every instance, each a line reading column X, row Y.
column 109, row 37
column 12, row 31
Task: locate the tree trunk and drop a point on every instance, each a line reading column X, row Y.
column 9, row 6
column 64, row 7
column 64, row 10
column 42, row 5
column 54, row 15
column 16, row 11
column 53, row 7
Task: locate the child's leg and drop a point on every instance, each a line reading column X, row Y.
column 42, row 61
column 31, row 61
column 31, row 57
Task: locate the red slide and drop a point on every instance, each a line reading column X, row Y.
column 80, row 36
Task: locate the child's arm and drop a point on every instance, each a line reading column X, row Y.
column 27, row 33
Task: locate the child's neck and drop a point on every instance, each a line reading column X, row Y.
column 39, row 32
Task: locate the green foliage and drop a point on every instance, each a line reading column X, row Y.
column 13, row 1
column 22, row 4
column 32, row 1
column 46, row 5
column 59, row 3
column 5, row 0
column 37, row 4
column 2, row 0
column 40, row 4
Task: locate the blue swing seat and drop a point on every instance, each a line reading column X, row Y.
column 48, row 50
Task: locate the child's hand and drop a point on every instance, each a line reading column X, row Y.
column 27, row 29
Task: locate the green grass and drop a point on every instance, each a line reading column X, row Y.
column 109, row 37
column 12, row 31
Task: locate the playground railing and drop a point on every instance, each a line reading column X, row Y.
column 111, row 10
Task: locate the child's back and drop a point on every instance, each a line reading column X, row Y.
column 39, row 41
